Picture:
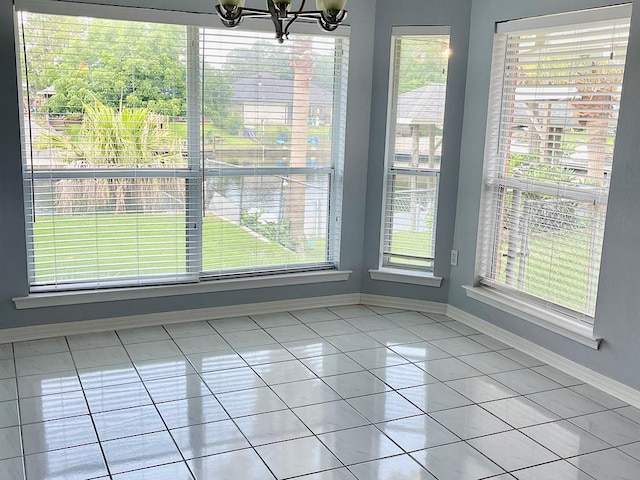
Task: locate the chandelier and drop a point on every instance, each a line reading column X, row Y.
column 329, row 14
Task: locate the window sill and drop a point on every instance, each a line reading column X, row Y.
column 55, row 299
column 405, row 276
column 553, row 321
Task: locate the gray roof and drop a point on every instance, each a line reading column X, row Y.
column 272, row 89
column 422, row 106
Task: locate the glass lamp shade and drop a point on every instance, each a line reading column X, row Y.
column 232, row 3
column 337, row 5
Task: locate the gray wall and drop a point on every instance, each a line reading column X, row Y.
column 456, row 14
column 618, row 299
column 13, row 277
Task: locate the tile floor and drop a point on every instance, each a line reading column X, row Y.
column 325, row 394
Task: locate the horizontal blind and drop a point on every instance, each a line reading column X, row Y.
column 414, row 149
column 553, row 115
column 158, row 153
column 285, row 104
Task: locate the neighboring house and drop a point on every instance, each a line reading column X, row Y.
column 270, row 99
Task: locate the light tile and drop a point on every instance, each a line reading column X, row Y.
column 100, row 357
column 116, row 397
column 565, row 439
column 127, row 423
column 384, row 310
column 216, row 361
column 43, row 364
column 8, row 389
column 278, row 319
column 152, row 350
column 356, row 384
column 308, row 392
column 632, row 413
column 239, row 464
column 9, row 414
column 57, row 434
column 6, row 351
column 330, row 416
column 632, row 449
column 526, row 381
column 396, row 336
column 456, row 461
column 143, row 335
column 176, row 388
column 353, row 341
column 434, row 397
column 134, row 453
column 433, row 331
column 598, row 396
column 408, row 319
column 190, row 329
column 172, row 471
column 351, row 311
column 491, row 362
column 10, row 443
column 614, row 429
column 328, row 365
column 234, row 324
column 402, row 467
column 336, row 474
column 373, row 323
column 191, row 411
column 315, row 347
column 460, row 346
column 404, row 376
column 77, row 463
column 520, row 412
column 37, row 385
column 522, row 358
column 106, row 376
column 164, row 367
column 419, row 352
column 283, row 372
column 461, row 328
column 7, row 368
column 447, row 369
column 53, row 407
column 291, row 333
column 209, row 439
column 250, row 402
column 481, row 389
column 469, row 422
column 565, row 403
column 202, row 344
column 12, row 469
column 360, row 444
column 272, row 427
column 312, row 315
column 250, row 338
column 297, row 457
column 557, row 376
column 377, row 358
column 333, row 327
column 560, row 470
column 90, row 341
column 513, row 450
column 489, row 342
column 382, row 407
column 232, row 380
column 417, row 433
column 608, row 465
column 46, row 346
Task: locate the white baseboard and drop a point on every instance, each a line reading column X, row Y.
column 602, row 382
column 403, row 303
column 20, row 334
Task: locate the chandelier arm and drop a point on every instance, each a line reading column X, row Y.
column 277, row 22
column 295, row 17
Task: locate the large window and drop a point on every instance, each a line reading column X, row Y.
column 418, row 87
column 553, row 114
column 160, row 153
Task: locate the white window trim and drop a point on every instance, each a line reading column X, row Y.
column 412, row 277
column 556, row 322
column 80, row 297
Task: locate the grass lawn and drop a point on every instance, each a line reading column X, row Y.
column 121, row 245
